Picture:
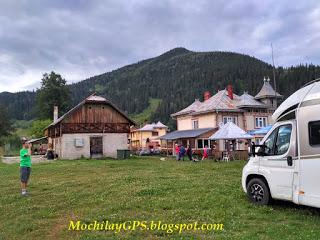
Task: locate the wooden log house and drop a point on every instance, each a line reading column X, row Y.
column 94, row 128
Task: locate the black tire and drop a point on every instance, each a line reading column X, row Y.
column 258, row 191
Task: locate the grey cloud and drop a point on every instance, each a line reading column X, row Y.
column 81, row 38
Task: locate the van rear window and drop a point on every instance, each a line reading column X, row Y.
column 314, row 133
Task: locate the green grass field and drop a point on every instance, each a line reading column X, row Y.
column 143, row 189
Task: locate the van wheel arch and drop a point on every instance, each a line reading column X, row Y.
column 252, row 176
column 261, row 177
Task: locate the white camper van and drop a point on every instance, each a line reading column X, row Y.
column 286, row 165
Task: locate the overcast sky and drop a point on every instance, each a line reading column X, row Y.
column 79, row 38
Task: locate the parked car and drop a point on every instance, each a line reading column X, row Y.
column 286, row 164
column 148, row 152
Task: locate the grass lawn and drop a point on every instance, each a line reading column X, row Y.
column 143, row 189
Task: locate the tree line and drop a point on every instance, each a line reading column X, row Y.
column 53, row 91
column 176, row 77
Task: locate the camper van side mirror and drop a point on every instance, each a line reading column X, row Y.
column 252, row 151
column 262, row 150
column 289, row 160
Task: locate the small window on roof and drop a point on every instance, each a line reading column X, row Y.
column 314, row 133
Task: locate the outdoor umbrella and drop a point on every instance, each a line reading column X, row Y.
column 230, row 131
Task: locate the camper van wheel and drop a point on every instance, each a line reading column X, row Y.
column 258, row 191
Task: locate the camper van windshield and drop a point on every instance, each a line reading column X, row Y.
column 283, row 140
column 269, row 143
column 278, row 141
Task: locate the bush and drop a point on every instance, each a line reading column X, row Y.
column 38, row 126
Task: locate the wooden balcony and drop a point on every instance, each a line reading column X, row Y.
column 88, row 128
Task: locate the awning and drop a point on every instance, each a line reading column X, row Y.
column 37, row 140
column 260, row 131
column 185, row 134
column 230, row 131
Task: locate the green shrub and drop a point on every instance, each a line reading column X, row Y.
column 38, row 126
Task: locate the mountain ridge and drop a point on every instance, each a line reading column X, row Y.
column 177, row 77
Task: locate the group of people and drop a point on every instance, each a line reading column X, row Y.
column 181, row 151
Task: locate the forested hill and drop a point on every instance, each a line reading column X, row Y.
column 179, row 76
column 21, row 105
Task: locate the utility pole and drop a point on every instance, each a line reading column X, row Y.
column 274, row 77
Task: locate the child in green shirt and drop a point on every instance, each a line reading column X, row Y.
column 25, row 166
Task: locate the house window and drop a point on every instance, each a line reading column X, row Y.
column 155, row 133
column 195, row 124
column 205, row 142
column 227, row 119
column 201, row 143
column 260, row 122
column 314, row 133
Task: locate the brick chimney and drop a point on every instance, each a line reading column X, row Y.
column 206, row 95
column 55, row 113
column 230, row 91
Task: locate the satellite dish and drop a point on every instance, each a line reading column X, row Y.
column 220, row 124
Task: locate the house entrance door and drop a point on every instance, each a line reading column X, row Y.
column 96, row 147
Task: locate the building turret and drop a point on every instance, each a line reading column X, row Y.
column 268, row 95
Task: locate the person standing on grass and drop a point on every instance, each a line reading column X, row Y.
column 189, row 152
column 182, row 152
column 205, row 153
column 177, row 150
column 50, row 152
column 25, row 165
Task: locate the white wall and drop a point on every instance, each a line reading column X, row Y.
column 111, row 143
column 207, row 120
column 184, row 123
column 68, row 149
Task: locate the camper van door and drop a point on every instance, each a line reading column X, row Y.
column 309, row 141
column 280, row 144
